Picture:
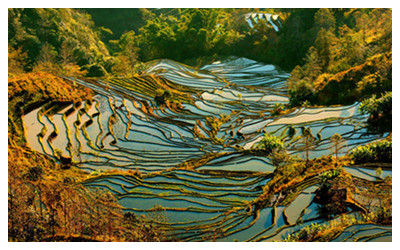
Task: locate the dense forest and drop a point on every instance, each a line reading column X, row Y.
column 322, row 47
column 335, row 57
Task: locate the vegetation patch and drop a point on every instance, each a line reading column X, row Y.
column 380, row 151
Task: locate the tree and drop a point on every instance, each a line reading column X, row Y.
column 313, row 67
column 127, row 46
column 191, row 34
column 275, row 150
column 308, row 140
column 324, row 19
column 300, row 92
column 126, row 55
column 324, row 44
column 301, row 81
column 380, row 151
column 17, row 61
column 352, row 46
column 336, row 140
column 200, row 30
column 295, row 38
column 47, row 54
column 157, row 38
column 66, row 52
column 277, row 109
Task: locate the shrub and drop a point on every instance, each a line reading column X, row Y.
column 95, row 71
column 277, row 109
column 380, row 151
column 300, row 92
column 162, row 96
column 281, row 158
column 270, row 143
column 307, row 233
column 362, row 154
column 380, row 112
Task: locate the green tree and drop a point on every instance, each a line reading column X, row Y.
column 66, row 52
column 191, row 33
column 277, row 109
column 380, row 112
column 324, row 19
column 353, row 46
column 324, row 43
column 295, row 38
column 301, row 81
column 156, row 38
column 126, row 56
column 275, row 149
column 300, row 92
column 380, row 151
column 313, row 67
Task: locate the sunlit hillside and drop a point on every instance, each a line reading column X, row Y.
column 200, row 125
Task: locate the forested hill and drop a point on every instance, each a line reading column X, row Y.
column 119, row 20
column 324, row 48
column 57, row 36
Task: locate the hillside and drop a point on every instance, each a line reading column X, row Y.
column 194, row 125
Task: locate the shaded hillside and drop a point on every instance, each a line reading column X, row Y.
column 118, row 20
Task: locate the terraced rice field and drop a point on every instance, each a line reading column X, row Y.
column 188, row 156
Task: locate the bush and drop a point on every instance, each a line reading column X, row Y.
column 307, row 233
column 300, row 92
column 281, row 158
column 362, row 154
column 270, row 144
column 380, row 151
column 95, row 71
column 380, row 112
column 277, row 109
column 162, row 96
